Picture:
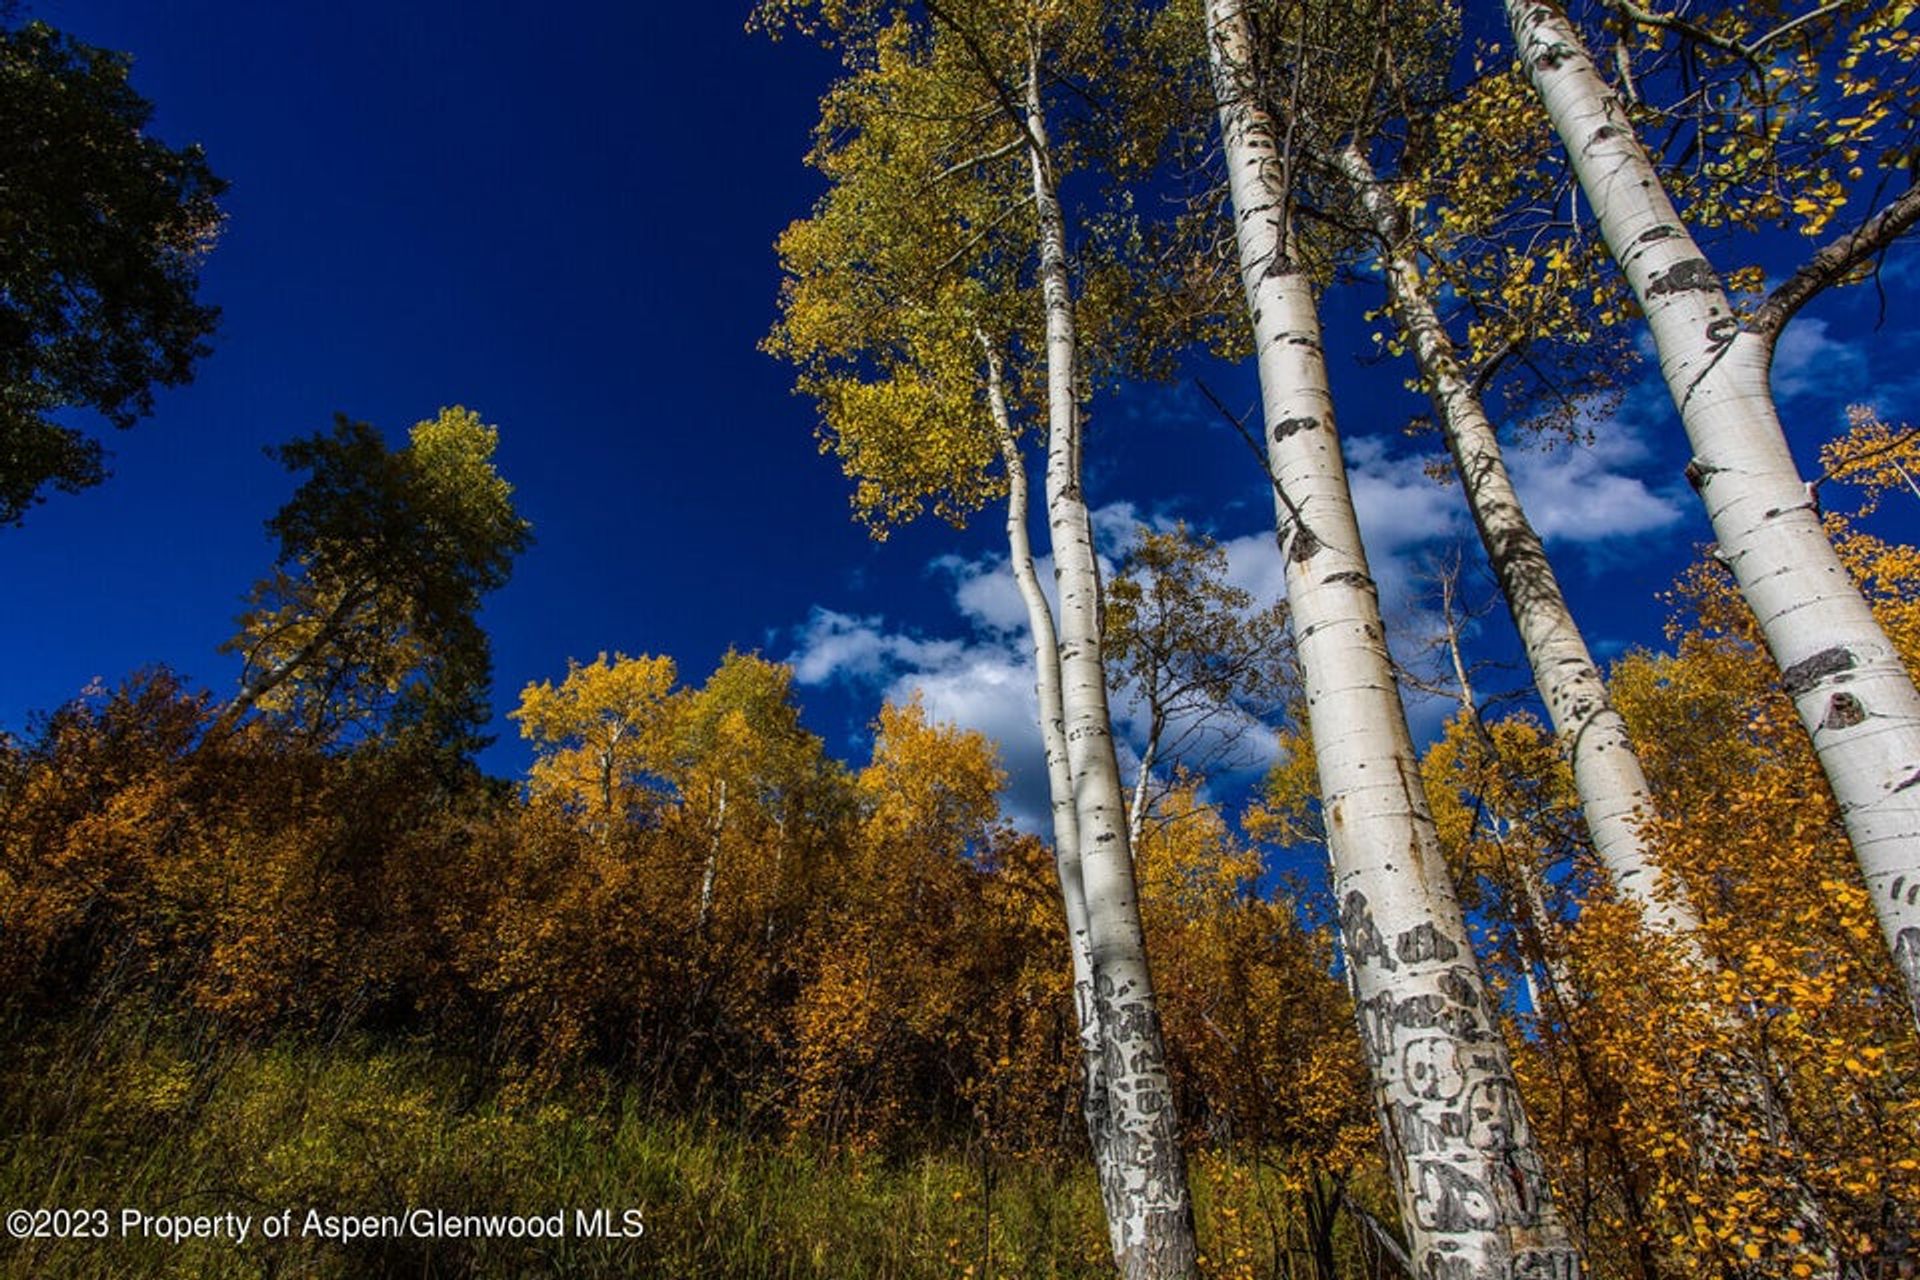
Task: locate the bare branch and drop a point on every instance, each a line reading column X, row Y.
column 985, row 157
column 1260, row 454
column 1832, row 262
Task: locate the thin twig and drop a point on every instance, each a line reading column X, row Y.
column 1260, row 455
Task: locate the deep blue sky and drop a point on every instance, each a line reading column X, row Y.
column 565, row 222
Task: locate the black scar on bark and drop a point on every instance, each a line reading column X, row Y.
column 1423, row 942
column 1698, row 473
column 1684, row 277
column 1843, row 712
column 1453, row 1011
column 1290, row 426
column 1803, row 675
column 1348, row 578
column 1364, row 940
column 1464, row 1202
column 1665, row 231
column 1457, row 987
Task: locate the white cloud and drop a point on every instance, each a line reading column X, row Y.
column 1115, row 524
column 1810, row 363
column 1575, row 495
column 838, row 645
column 986, row 595
column 984, row 683
column 1584, row 494
column 991, row 691
column 1398, row 505
column 1254, row 566
column 982, row 678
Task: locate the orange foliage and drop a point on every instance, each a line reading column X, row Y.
column 1755, row 1116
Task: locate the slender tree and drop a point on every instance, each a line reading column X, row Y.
column 1470, row 1180
column 1053, row 735
column 935, row 274
column 1196, row 657
column 1850, row 689
column 1151, row 1216
column 1613, row 787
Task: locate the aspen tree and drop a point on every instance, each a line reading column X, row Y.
column 990, row 76
column 1851, row 691
column 1732, row 1092
column 735, row 753
column 1469, row 1177
column 1613, row 787
column 1053, row 735
column 1199, row 659
column 598, row 733
column 1150, row 1217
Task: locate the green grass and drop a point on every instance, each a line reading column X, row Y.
column 115, row 1119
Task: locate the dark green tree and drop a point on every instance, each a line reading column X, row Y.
column 367, row 622
column 102, row 229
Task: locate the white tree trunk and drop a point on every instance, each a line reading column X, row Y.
column 711, row 871
column 1606, row 772
column 1053, row 736
column 1142, row 786
column 1470, row 1181
column 1847, row 682
column 1150, row 1216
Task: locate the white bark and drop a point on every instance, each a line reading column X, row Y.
column 1606, row 772
column 1846, row 680
column 1470, row 1181
column 1142, row 784
column 1053, row 736
column 711, row 871
column 280, row 672
column 1149, row 1214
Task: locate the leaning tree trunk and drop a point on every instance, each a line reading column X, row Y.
column 1149, row 1215
column 1469, row 1178
column 1613, row 789
column 1555, row 1001
column 265, row 682
column 1053, row 736
column 1143, row 782
column 1846, row 679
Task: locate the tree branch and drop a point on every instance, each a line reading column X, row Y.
column 1260, row 455
column 985, row 157
column 984, row 65
column 1832, row 262
column 1381, row 1233
column 1691, row 30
